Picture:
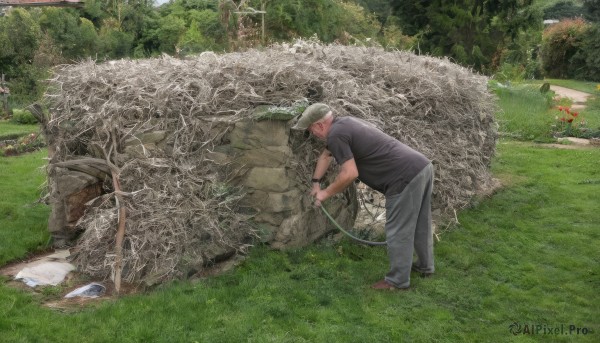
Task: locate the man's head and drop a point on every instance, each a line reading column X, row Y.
column 311, row 114
column 316, row 119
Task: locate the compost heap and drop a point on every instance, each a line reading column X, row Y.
column 439, row 108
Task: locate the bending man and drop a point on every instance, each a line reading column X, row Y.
column 402, row 174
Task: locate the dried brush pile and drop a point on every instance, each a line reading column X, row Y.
column 176, row 199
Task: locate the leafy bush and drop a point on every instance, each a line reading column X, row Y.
column 560, row 43
column 23, row 117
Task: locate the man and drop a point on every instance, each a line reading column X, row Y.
column 402, row 174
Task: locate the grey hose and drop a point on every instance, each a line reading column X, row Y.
column 348, row 233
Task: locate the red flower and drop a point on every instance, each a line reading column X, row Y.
column 575, row 114
column 560, row 108
column 562, row 119
column 568, row 110
column 570, row 120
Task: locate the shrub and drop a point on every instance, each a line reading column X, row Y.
column 23, row 117
column 560, row 42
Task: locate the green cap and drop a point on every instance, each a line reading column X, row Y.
column 311, row 114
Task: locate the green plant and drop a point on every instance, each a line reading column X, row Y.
column 23, row 117
column 524, row 113
column 569, row 123
column 510, row 72
column 23, row 144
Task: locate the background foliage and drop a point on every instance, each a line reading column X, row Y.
column 493, row 37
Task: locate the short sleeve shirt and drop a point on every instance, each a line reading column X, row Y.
column 384, row 163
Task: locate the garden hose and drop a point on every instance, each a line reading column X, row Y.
column 348, row 233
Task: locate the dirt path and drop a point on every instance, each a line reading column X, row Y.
column 579, row 98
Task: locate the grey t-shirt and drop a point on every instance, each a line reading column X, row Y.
column 383, row 163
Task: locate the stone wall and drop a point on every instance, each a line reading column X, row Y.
column 260, row 157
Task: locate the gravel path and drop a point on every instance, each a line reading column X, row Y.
column 579, row 98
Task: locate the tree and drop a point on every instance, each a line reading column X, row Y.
column 114, row 42
column 328, row 19
column 380, row 8
column 75, row 37
column 473, row 32
column 20, row 37
column 193, row 41
column 170, row 31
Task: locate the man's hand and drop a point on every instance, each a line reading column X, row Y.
column 316, row 187
column 347, row 175
column 320, row 196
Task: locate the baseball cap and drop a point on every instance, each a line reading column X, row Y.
column 311, row 114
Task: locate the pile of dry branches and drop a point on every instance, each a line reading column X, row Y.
column 178, row 200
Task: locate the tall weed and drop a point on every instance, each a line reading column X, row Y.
column 525, row 112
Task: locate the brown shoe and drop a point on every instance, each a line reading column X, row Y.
column 383, row 284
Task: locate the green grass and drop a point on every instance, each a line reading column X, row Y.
column 526, row 113
column 10, row 130
column 528, row 255
column 591, row 113
column 582, row 86
column 23, row 223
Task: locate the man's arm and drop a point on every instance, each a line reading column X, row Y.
column 320, row 169
column 322, row 164
column 347, row 175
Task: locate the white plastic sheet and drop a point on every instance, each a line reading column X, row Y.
column 45, row 273
column 47, row 270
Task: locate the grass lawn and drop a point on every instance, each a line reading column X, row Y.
column 10, row 130
column 23, row 222
column 528, row 115
column 528, row 255
column 582, row 86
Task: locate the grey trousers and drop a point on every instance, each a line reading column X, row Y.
column 408, row 227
